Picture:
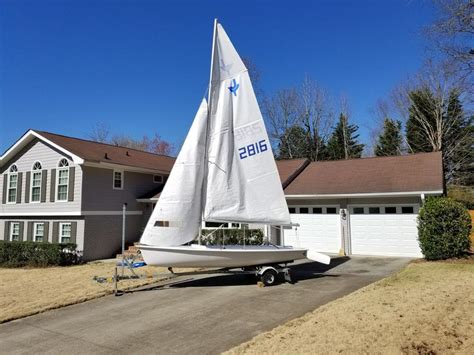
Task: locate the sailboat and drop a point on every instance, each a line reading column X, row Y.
column 224, row 172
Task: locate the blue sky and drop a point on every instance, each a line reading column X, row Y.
column 143, row 66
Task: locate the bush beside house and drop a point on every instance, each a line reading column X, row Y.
column 443, row 229
column 19, row 254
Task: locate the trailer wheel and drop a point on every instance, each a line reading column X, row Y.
column 269, row 277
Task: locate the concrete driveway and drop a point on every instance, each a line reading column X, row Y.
column 205, row 315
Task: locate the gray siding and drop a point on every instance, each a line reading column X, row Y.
column 99, row 195
column 103, row 235
column 49, row 158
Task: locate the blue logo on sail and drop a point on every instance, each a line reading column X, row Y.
column 234, row 87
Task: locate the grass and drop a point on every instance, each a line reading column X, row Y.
column 427, row 308
column 27, row 291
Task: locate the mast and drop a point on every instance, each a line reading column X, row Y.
column 209, row 108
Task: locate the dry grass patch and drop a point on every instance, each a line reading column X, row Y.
column 427, row 308
column 28, row 291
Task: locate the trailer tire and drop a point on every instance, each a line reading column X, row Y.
column 269, row 277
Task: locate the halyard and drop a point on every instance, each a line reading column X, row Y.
column 426, row 308
column 28, row 291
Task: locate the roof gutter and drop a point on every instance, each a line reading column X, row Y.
column 374, row 194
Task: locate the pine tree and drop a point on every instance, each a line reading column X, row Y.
column 293, row 144
column 343, row 142
column 390, row 140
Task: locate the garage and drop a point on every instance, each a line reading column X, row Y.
column 388, row 230
column 319, row 228
column 365, row 206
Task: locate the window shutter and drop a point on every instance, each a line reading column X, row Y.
column 70, row 193
column 44, row 178
column 29, row 232
column 4, row 196
column 55, row 232
column 53, row 185
column 46, row 232
column 6, row 236
column 22, row 227
column 27, row 187
column 73, row 232
column 18, row 190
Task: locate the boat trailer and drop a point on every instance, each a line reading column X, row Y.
column 266, row 275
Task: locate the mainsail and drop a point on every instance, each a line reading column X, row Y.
column 242, row 182
column 177, row 215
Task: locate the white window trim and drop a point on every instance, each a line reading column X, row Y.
column 35, row 225
column 60, row 232
column 122, row 179
column 365, row 206
column 310, row 207
column 31, row 185
column 161, row 178
column 8, row 189
column 11, row 230
column 57, row 184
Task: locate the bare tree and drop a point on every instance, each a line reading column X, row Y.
column 317, row 116
column 282, row 113
column 453, row 35
column 100, row 132
column 299, row 119
column 154, row 144
column 425, row 102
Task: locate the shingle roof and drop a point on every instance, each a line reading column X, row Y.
column 107, row 153
column 289, row 169
column 408, row 173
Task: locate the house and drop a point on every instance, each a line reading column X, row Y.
column 58, row 189
column 365, row 206
column 62, row 189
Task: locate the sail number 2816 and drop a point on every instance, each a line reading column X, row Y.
column 253, row 149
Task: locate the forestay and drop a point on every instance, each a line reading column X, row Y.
column 177, row 215
column 243, row 184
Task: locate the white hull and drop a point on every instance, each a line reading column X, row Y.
column 229, row 257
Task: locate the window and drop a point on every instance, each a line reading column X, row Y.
column 304, row 210
column 162, row 223
column 15, row 231
column 157, row 179
column 407, row 209
column 390, row 210
column 118, row 180
column 36, row 182
column 215, row 224
column 38, row 230
column 12, row 184
column 374, row 210
column 317, row 210
column 235, row 225
column 63, row 180
column 331, row 210
column 64, row 232
column 292, row 210
column 358, row 210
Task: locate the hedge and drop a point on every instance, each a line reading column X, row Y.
column 232, row 236
column 19, row 254
column 443, row 228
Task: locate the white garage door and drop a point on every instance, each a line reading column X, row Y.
column 384, row 230
column 319, row 228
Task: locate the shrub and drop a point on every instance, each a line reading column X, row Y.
column 18, row 254
column 232, row 236
column 443, row 228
